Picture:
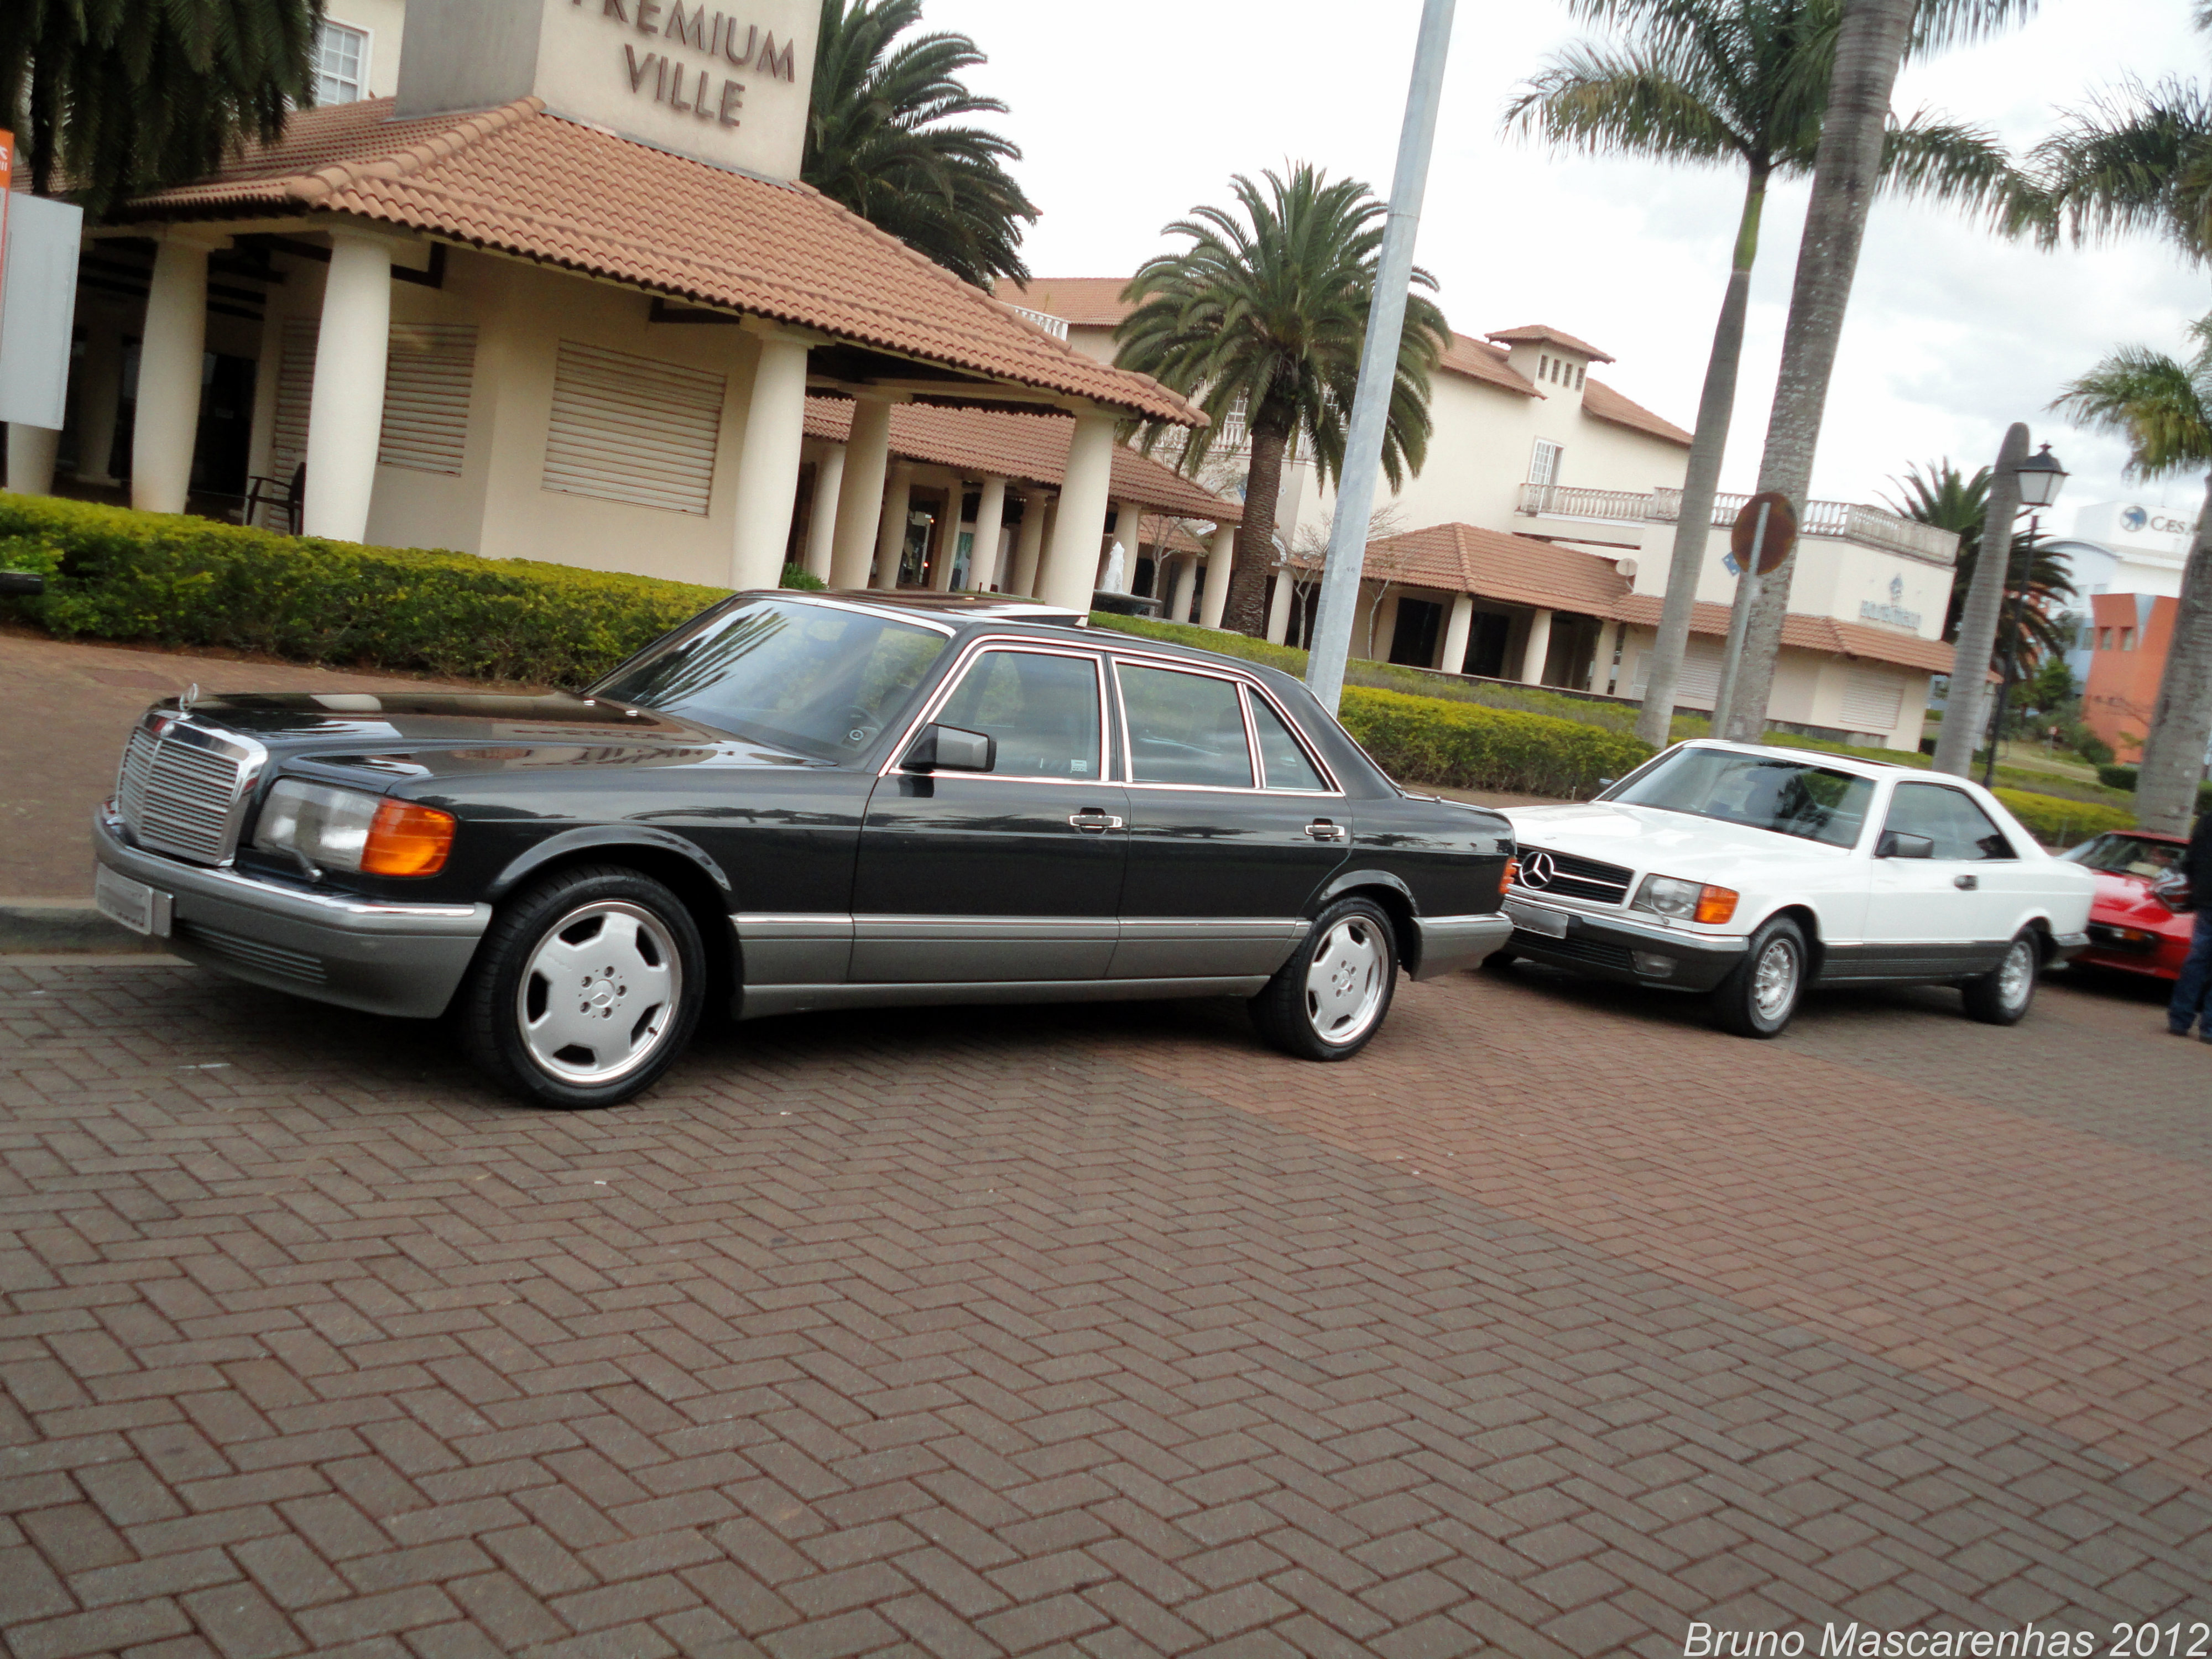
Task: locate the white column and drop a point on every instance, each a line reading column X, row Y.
column 767, row 464
column 1186, row 588
column 860, row 496
column 99, row 392
column 1220, row 559
column 1071, row 560
column 821, row 522
column 1128, row 519
column 1384, row 633
column 1608, row 640
column 345, row 412
column 891, row 528
column 31, row 458
column 945, row 539
column 170, row 349
column 1278, row 606
column 1457, row 627
column 1029, row 543
column 983, row 553
column 1540, row 644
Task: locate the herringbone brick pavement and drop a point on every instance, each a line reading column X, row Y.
column 1552, row 1324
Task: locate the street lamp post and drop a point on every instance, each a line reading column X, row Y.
column 2039, row 477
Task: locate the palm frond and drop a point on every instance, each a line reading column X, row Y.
column 2135, row 160
column 2157, row 403
column 1943, row 161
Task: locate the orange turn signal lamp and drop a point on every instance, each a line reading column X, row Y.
column 407, row 840
column 1715, row 904
column 1510, row 874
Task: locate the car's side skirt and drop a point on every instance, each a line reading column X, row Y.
column 759, row 1001
column 1887, row 961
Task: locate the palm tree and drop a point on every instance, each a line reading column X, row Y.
column 1950, row 500
column 876, row 140
column 116, row 96
column 1260, row 320
column 2163, row 408
column 1726, row 83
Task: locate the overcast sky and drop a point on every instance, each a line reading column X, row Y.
column 1131, row 114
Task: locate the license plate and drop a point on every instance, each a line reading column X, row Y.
column 1548, row 922
column 132, row 904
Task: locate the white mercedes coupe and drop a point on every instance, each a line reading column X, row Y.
column 1756, row 873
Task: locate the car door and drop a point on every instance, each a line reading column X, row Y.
column 1012, row 875
column 1931, row 917
column 1233, row 825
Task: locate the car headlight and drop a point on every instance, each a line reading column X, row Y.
column 1686, row 900
column 349, row 830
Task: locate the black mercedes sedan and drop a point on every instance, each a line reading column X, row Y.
column 800, row 801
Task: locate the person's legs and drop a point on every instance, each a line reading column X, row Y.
column 2194, row 988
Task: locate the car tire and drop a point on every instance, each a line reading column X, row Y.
column 1329, row 999
column 2004, row 995
column 586, row 988
column 1762, row 992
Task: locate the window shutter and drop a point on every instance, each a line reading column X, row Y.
column 426, row 396
column 1544, row 462
column 1699, row 682
column 295, row 389
column 1872, row 703
column 632, row 430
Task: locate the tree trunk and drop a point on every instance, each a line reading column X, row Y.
column 1246, row 610
column 1964, row 715
column 1846, row 171
column 2181, row 720
column 1701, row 480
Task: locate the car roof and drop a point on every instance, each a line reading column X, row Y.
column 1868, row 768
column 1002, row 613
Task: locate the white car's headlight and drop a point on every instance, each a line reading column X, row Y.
column 334, row 829
column 1687, row 900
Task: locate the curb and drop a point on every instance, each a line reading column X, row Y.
column 43, row 927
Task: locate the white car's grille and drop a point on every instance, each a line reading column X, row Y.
column 1566, row 876
column 181, row 789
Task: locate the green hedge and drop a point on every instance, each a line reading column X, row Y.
column 2058, row 822
column 170, row 580
column 1430, row 740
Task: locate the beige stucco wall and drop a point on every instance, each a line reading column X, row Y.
column 1808, row 687
column 384, row 22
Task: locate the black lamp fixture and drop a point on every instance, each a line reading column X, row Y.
column 2040, row 475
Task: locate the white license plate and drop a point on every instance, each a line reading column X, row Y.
column 131, row 904
column 1548, row 922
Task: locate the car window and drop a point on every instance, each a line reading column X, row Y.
column 818, row 680
column 1042, row 708
column 1184, row 728
column 1960, row 828
column 1287, row 765
column 2127, row 855
column 1790, row 798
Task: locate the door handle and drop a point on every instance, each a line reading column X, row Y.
column 1092, row 822
column 1967, row 884
column 1322, row 829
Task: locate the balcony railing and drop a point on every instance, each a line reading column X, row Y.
column 1869, row 527
column 1055, row 326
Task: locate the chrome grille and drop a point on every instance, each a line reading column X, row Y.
column 1569, row 876
column 181, row 789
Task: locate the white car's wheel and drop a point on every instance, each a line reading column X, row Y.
column 1757, row 998
column 2003, row 996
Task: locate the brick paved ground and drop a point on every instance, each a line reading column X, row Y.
column 1554, row 1324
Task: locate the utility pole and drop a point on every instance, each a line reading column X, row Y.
column 1378, row 364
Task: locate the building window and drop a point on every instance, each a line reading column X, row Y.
column 341, row 64
column 2104, row 639
column 1579, row 373
column 1544, row 463
column 2127, row 639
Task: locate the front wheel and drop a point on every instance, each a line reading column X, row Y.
column 586, row 989
column 1328, row 1000
column 2003, row 996
column 1758, row 997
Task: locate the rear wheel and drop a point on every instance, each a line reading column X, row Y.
column 2003, row 996
column 586, row 988
column 1329, row 999
column 1757, row 998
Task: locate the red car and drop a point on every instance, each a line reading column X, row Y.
column 2128, row 928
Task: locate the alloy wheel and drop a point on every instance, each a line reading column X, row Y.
column 599, row 993
column 1346, row 980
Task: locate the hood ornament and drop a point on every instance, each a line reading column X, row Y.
column 190, row 695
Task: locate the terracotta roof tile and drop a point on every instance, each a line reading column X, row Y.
column 1545, row 332
column 1082, row 301
column 1028, row 447
column 1602, row 402
column 522, row 181
column 1823, row 634
column 1471, row 357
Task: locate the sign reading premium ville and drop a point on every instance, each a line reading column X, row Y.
column 726, row 84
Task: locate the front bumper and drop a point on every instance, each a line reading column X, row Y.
column 1627, row 951
column 1450, row 942
column 382, row 958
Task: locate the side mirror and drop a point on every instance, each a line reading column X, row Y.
column 949, row 748
column 1900, row 844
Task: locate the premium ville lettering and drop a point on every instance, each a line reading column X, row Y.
column 720, row 38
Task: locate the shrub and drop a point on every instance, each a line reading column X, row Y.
column 185, row 581
column 2094, row 749
column 2117, row 777
column 800, row 577
column 2058, row 822
column 1436, row 741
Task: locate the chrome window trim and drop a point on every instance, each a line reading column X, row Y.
column 1305, row 744
column 963, row 665
column 1235, row 682
column 1334, row 792
column 881, row 612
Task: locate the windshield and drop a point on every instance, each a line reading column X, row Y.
column 816, row 679
column 2127, row 855
column 1787, row 797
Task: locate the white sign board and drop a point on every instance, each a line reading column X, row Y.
column 37, row 308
